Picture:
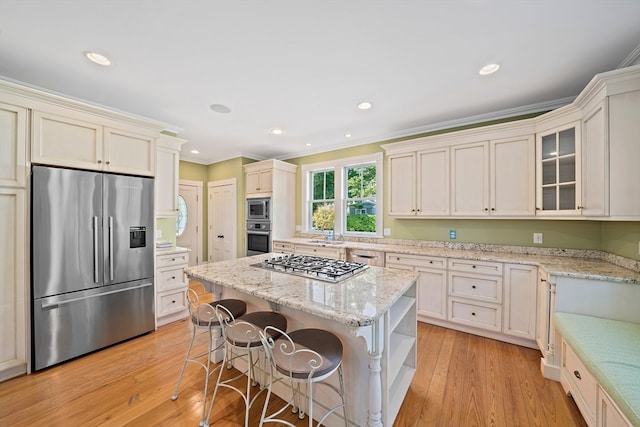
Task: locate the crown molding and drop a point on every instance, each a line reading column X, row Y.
column 631, row 58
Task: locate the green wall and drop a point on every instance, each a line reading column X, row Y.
column 620, row 238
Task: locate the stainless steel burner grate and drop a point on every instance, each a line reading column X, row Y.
column 327, row 269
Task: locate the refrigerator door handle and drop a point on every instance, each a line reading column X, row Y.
column 96, row 277
column 59, row 303
column 110, row 248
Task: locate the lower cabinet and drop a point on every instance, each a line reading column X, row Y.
column 321, row 251
column 608, row 414
column 283, row 247
column 171, row 285
column 432, row 283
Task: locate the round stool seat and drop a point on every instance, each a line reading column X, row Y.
column 244, row 335
column 205, row 316
column 300, row 364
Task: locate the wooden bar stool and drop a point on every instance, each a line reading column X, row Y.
column 203, row 318
column 242, row 338
column 303, row 357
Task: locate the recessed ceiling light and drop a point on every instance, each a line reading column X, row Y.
column 97, row 58
column 347, row 135
column 489, row 69
column 308, row 144
column 195, row 152
column 364, row 105
column 276, row 131
column 220, row 108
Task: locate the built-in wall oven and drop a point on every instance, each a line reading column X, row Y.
column 258, row 237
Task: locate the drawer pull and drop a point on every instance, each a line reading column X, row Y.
column 473, row 286
column 430, row 262
column 397, row 258
column 173, row 302
column 473, row 266
column 577, row 375
column 173, row 277
column 173, row 259
column 473, row 313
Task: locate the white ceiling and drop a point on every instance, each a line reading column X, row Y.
column 304, row 65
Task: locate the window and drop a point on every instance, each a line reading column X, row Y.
column 342, row 196
column 181, row 221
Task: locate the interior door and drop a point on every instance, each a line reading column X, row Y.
column 189, row 214
column 222, row 220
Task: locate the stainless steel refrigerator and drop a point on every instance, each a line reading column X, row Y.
column 91, row 261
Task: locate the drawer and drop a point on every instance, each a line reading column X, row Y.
column 481, row 288
column 171, row 302
column 479, row 267
column 171, row 260
column 321, row 252
column 580, row 382
column 416, row 261
column 285, row 248
column 480, row 315
column 171, row 278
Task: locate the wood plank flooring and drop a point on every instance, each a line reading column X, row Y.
column 461, row 380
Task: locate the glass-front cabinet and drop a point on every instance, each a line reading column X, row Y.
column 559, row 171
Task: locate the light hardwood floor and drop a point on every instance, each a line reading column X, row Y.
column 461, row 380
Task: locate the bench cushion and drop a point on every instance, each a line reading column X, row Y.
column 610, row 350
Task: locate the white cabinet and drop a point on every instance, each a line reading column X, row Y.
column 475, row 294
column 277, row 180
column 545, row 306
column 14, row 288
column 610, row 152
column 13, row 135
column 399, row 360
column 432, row 282
column 321, row 251
column 480, row 172
column 519, row 306
column 260, row 181
column 283, row 247
column 608, row 414
column 470, row 179
column 578, row 381
column 419, row 183
column 171, row 285
column 167, row 175
column 79, row 140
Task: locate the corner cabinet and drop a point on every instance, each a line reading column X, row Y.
column 65, row 137
column 14, row 270
column 167, row 175
column 610, row 127
column 558, row 165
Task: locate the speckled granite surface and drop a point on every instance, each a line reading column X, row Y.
column 594, row 265
column 358, row 301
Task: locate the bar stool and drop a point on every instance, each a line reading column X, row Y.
column 242, row 338
column 303, row 357
column 203, row 318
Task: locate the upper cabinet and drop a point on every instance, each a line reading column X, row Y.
column 610, row 107
column 481, row 172
column 13, row 154
column 558, row 178
column 64, row 137
column 277, row 180
column 167, row 175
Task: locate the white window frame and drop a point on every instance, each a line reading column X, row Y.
column 338, row 167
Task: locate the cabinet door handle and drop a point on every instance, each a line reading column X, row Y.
column 473, row 266
column 473, row 286
column 493, row 209
column 579, row 207
column 577, row 374
column 220, row 236
column 486, row 209
column 99, row 162
column 173, row 277
column 108, row 162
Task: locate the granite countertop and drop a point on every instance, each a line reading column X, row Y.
column 558, row 262
column 358, row 301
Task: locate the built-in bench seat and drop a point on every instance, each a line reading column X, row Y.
column 610, row 351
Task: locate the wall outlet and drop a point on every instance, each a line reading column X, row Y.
column 387, row 232
column 452, row 234
column 158, row 234
column 537, row 238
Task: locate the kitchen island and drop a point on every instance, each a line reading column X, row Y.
column 373, row 313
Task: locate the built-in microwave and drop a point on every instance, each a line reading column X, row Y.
column 258, row 209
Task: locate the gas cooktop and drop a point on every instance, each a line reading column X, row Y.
column 327, row 269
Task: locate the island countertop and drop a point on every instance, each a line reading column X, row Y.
column 358, row 301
